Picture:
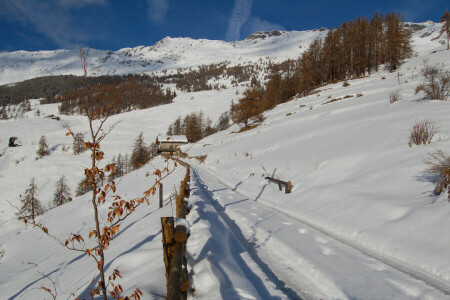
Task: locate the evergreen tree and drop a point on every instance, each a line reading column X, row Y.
column 119, row 170
column 4, row 114
column 177, row 127
column 126, row 164
column 153, row 148
column 78, row 143
column 43, row 147
column 140, row 154
column 224, row 121
column 83, row 187
column 31, row 206
column 62, row 193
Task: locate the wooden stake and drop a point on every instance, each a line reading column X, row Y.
column 161, row 195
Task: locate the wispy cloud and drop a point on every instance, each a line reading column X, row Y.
column 50, row 18
column 157, row 9
column 79, row 3
column 256, row 24
column 241, row 13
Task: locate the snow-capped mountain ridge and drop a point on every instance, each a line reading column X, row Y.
column 168, row 54
column 172, row 53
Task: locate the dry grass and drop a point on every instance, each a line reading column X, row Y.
column 332, row 100
column 201, row 158
column 247, row 128
column 394, row 96
column 423, row 132
column 439, row 164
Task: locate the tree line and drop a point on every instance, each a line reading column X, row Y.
column 135, row 91
column 196, row 127
column 132, row 92
column 352, row 50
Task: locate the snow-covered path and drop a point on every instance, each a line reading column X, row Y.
column 243, row 239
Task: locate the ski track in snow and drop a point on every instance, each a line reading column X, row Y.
column 323, row 266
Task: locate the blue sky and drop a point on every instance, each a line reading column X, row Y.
column 114, row 24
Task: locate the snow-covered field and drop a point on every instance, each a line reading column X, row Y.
column 362, row 221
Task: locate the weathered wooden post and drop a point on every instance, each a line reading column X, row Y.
column 167, row 227
column 161, row 195
column 288, row 187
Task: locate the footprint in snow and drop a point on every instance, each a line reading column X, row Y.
column 326, row 251
column 320, row 240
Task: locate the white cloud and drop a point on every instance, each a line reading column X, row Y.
column 256, row 24
column 241, row 13
column 157, row 9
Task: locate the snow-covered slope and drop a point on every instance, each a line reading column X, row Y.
column 355, row 177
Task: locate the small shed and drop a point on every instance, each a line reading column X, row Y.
column 169, row 143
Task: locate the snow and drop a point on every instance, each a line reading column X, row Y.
column 172, row 138
column 362, row 221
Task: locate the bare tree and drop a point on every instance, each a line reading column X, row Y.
column 446, row 26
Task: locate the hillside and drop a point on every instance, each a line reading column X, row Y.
column 362, row 221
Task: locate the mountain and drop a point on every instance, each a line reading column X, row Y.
column 167, row 54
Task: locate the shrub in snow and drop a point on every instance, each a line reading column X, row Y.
column 345, row 84
column 439, row 164
column 423, row 132
column 436, row 83
column 394, row 96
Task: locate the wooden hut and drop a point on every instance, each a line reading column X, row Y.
column 169, row 143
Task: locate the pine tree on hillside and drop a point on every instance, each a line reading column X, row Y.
column 177, row 127
column 82, row 188
column 140, row 155
column 62, row 193
column 446, row 26
column 119, row 169
column 153, row 148
column 43, row 147
column 31, row 206
column 248, row 107
column 112, row 174
column 78, row 143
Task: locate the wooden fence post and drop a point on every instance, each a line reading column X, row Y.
column 288, row 187
column 167, row 227
column 161, row 195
